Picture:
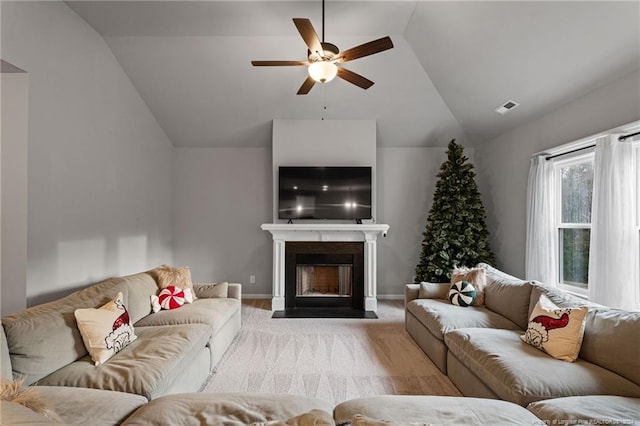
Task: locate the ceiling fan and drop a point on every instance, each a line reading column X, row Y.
column 325, row 59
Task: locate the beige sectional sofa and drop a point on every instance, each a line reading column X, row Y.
column 240, row 409
column 480, row 349
column 175, row 350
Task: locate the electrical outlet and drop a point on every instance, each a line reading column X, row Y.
column 252, row 279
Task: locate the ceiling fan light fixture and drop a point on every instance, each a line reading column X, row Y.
column 323, row 71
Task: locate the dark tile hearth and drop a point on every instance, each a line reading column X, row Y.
column 325, row 313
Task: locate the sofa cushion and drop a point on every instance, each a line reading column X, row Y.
column 507, row 295
column 476, row 276
column 44, row 338
column 146, row 367
column 361, row 420
column 140, row 288
column 437, row 410
column 96, row 407
column 105, row 330
column 214, row 312
column 314, row 417
column 231, row 409
column 557, row 296
column 611, row 340
column 522, row 374
column 212, row 290
column 440, row 316
column 593, row 409
column 462, row 293
column 557, row 332
column 15, row 414
column 166, row 276
column 172, row 297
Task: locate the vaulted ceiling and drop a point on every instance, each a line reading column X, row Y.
column 453, row 63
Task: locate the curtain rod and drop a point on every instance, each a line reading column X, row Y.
column 551, row 157
column 621, row 139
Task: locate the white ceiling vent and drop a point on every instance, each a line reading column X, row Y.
column 506, row 107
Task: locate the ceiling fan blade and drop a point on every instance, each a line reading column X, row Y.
column 309, row 35
column 306, row 86
column 375, row 46
column 278, row 63
column 354, row 78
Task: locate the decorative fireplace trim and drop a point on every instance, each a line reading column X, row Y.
column 324, row 232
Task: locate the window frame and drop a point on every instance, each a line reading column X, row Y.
column 558, row 165
column 637, row 233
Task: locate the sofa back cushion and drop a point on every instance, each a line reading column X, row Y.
column 557, row 296
column 611, row 341
column 507, row 295
column 610, row 335
column 141, row 287
column 44, row 338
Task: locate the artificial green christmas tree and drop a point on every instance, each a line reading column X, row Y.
column 456, row 232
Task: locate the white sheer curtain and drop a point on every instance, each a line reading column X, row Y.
column 611, row 258
column 541, row 248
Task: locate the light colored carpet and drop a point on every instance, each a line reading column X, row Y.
column 330, row 359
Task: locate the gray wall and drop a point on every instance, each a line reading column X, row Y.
column 99, row 166
column 406, row 182
column 223, row 195
column 503, row 163
column 15, row 113
column 323, row 143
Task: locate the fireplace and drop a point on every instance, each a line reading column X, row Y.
column 325, row 234
column 324, row 275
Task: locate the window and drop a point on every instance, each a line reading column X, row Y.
column 562, row 219
column 574, row 189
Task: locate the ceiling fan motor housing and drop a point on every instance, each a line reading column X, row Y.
column 330, row 51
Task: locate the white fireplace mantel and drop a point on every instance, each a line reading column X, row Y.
column 330, row 233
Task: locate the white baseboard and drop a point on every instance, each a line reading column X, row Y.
column 257, row 296
column 391, row 297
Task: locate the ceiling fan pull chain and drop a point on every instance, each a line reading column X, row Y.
column 324, row 101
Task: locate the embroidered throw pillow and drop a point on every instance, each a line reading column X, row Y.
column 106, row 330
column 476, row 276
column 462, row 293
column 178, row 277
column 556, row 331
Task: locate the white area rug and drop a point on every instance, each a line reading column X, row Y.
column 330, row 359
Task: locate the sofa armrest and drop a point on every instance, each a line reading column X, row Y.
column 235, row 291
column 426, row 291
column 209, row 290
column 411, row 292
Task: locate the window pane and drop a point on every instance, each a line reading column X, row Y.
column 577, row 190
column 574, row 252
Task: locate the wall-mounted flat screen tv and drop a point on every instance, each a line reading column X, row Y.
column 339, row 193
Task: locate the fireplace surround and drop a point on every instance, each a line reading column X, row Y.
column 365, row 234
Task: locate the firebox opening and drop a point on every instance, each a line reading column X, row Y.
column 324, row 280
column 324, row 275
